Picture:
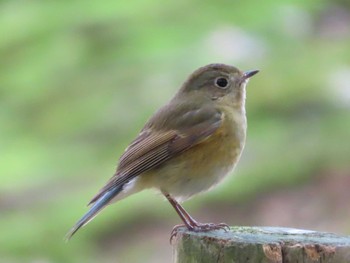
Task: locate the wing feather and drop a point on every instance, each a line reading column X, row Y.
column 154, row 147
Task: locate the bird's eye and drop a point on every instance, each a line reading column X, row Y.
column 221, row 82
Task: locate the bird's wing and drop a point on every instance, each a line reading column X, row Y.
column 153, row 147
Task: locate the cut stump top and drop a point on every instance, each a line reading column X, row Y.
column 260, row 244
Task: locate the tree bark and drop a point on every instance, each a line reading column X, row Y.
column 260, row 245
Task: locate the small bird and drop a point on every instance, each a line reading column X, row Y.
column 188, row 146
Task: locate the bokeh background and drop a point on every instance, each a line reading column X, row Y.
column 78, row 79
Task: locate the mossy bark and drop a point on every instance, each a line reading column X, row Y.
column 260, row 245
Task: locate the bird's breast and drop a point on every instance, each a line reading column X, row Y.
column 205, row 164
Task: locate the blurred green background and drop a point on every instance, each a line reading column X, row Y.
column 78, row 79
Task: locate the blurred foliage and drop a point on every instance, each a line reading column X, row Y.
column 78, row 80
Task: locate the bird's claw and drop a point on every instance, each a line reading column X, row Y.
column 210, row 226
column 200, row 228
column 174, row 232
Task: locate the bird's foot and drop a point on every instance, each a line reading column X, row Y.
column 199, row 227
column 209, row 226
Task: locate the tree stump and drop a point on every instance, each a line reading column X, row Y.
column 260, row 245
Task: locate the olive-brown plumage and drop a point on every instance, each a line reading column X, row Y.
column 188, row 146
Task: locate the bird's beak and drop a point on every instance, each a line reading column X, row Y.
column 249, row 73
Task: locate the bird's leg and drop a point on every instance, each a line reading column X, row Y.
column 189, row 221
column 180, row 211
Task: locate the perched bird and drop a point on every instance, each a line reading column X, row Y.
column 188, row 146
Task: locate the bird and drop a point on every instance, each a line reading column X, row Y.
column 187, row 147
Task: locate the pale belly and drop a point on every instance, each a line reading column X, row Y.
column 182, row 184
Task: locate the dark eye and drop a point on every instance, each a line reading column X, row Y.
column 221, row 82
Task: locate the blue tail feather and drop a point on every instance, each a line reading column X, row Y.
column 94, row 210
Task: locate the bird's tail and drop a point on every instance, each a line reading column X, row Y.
column 98, row 205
